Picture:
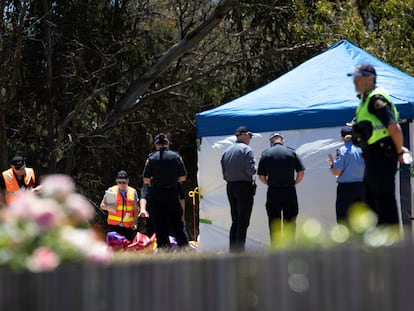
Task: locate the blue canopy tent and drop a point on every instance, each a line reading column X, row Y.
column 309, row 104
column 316, row 94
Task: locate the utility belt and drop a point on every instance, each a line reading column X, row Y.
column 385, row 146
column 282, row 185
column 241, row 182
column 165, row 187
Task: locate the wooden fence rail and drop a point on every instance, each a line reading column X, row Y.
column 347, row 278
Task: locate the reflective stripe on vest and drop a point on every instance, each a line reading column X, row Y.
column 12, row 185
column 379, row 131
column 125, row 211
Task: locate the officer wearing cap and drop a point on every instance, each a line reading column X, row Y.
column 377, row 132
column 281, row 169
column 238, row 168
column 163, row 171
column 121, row 203
column 348, row 167
column 16, row 179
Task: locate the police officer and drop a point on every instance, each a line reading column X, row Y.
column 277, row 167
column 238, row 167
column 163, row 170
column 379, row 135
column 348, row 167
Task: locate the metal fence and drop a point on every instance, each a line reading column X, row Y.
column 348, row 278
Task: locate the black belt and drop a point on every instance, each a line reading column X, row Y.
column 164, row 187
column 283, row 185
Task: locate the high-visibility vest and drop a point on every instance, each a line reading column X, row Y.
column 12, row 185
column 379, row 131
column 125, row 208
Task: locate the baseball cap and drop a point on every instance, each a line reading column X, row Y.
column 363, row 70
column 18, row 162
column 242, row 130
column 161, row 138
column 121, row 176
column 346, row 130
column 276, row 134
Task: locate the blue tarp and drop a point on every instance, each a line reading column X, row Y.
column 316, row 94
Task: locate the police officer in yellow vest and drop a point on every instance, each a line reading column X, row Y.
column 16, row 179
column 121, row 202
column 377, row 132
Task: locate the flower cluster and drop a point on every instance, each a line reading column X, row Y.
column 39, row 231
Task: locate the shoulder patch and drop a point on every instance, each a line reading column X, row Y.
column 380, row 104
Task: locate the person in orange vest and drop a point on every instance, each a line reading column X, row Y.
column 16, row 179
column 121, row 202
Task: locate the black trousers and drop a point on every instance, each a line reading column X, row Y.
column 280, row 201
column 240, row 195
column 166, row 214
column 379, row 186
column 346, row 195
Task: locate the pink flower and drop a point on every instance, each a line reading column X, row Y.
column 58, row 186
column 79, row 207
column 43, row 259
column 22, row 206
column 99, row 253
column 47, row 214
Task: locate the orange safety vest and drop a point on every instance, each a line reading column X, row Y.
column 12, row 185
column 125, row 209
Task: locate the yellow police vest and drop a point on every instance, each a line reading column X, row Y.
column 379, row 131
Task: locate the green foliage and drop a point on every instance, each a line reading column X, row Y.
column 67, row 63
column 360, row 229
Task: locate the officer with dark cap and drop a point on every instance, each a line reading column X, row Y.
column 163, row 171
column 377, row 132
column 238, row 168
column 281, row 169
column 348, row 167
column 16, row 179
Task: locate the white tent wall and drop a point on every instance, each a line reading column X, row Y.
column 411, row 146
column 316, row 193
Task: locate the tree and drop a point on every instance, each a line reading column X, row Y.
column 86, row 84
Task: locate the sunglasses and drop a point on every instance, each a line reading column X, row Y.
column 19, row 167
column 122, row 182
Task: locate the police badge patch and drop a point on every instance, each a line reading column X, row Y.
column 379, row 104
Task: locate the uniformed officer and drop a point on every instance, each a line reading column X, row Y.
column 277, row 167
column 379, row 135
column 348, row 167
column 238, row 168
column 163, row 171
